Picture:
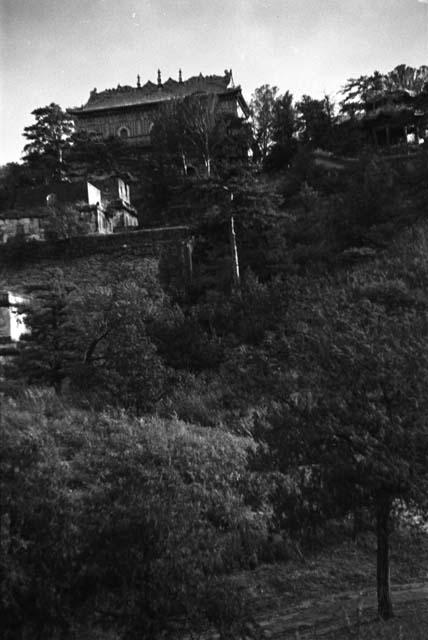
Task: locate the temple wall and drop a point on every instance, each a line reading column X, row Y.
column 138, row 123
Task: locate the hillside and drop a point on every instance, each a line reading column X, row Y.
column 176, row 461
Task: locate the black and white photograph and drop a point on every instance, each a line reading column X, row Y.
column 214, row 319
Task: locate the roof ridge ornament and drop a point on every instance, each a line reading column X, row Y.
column 159, row 79
column 229, row 77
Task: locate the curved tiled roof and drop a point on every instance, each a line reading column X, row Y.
column 124, row 96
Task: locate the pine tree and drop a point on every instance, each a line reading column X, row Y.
column 49, row 352
column 47, row 139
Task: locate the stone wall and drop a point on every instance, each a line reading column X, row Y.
column 87, row 257
column 22, row 227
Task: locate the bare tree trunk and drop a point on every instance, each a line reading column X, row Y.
column 184, row 162
column 234, row 250
column 208, row 166
column 383, row 513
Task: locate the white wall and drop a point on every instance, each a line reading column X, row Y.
column 12, row 324
column 94, row 194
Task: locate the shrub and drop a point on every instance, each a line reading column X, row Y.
column 115, row 521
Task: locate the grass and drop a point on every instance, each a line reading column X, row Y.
column 349, row 565
column 331, row 593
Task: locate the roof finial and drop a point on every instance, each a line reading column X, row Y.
column 229, row 77
column 159, row 78
column 138, row 81
column 180, row 77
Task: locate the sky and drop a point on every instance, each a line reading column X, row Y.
column 59, row 50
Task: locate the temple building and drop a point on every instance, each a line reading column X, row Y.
column 129, row 112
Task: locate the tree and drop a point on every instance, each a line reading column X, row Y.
column 47, row 139
column 357, row 92
column 120, row 360
column 354, row 412
column 284, row 143
column 168, row 138
column 404, row 77
column 195, row 131
column 231, row 150
column 13, row 177
column 315, row 120
column 368, row 209
column 48, row 353
column 95, row 337
column 262, row 107
column 283, row 125
column 86, row 154
column 201, row 124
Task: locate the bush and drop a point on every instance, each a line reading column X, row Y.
column 116, row 522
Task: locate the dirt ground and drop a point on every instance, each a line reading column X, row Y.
column 332, row 594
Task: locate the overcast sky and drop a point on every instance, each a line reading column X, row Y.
column 58, row 50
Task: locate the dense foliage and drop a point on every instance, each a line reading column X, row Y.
column 117, row 523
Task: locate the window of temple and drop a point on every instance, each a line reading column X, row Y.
column 124, row 132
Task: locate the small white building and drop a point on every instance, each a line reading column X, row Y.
column 110, row 200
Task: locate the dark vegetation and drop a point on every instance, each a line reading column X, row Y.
column 154, row 443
